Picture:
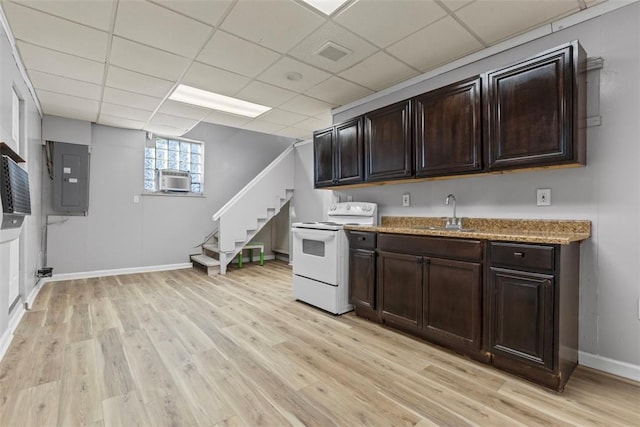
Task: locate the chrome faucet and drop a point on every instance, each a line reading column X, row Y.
column 453, row 223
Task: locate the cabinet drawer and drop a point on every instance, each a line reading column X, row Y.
column 522, row 256
column 362, row 240
column 431, row 246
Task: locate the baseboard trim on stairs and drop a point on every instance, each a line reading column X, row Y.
column 118, row 271
column 7, row 336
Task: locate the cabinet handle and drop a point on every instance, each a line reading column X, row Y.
column 519, row 254
column 546, row 283
column 362, row 238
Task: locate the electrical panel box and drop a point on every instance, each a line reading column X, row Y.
column 70, row 167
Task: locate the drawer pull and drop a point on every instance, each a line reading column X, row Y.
column 519, row 254
column 362, row 238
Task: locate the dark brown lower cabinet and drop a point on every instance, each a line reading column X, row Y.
column 400, row 288
column 521, row 315
column 532, row 310
column 452, row 303
column 362, row 282
column 434, row 297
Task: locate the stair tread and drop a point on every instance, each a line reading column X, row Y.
column 211, row 247
column 205, row 260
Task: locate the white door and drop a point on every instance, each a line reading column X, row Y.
column 315, row 254
column 14, row 270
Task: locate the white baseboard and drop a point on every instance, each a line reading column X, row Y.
column 611, row 366
column 14, row 320
column 118, row 271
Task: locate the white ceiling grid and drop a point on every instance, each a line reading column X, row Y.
column 115, row 62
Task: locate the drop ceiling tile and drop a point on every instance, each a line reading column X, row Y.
column 515, row 16
column 313, row 124
column 95, row 13
column 180, row 123
column 136, row 100
column 265, row 94
column 69, row 112
column 447, row 40
column 280, row 117
column 278, row 25
column 220, row 118
column 214, row 79
column 456, row 4
column 62, row 64
column 48, row 31
column 388, row 72
column 165, row 130
column 386, row 22
column 175, row 121
column 262, row 126
column 119, row 122
column 305, row 105
column 54, row 103
column 293, row 132
column 326, row 116
column 147, row 60
column 156, row 26
column 183, row 110
column 356, row 47
column 125, row 112
column 338, row 91
column 231, row 53
column 277, row 75
column 139, row 83
column 209, row 12
column 53, row 83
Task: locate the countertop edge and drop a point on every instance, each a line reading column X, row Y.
column 497, row 235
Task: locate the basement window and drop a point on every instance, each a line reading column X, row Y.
column 172, row 155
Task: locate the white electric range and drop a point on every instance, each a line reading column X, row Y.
column 321, row 256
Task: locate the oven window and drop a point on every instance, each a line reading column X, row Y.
column 313, row 247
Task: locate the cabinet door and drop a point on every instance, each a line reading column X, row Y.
column 349, row 152
column 362, row 280
column 530, row 112
column 400, row 289
column 387, row 139
column 522, row 316
column 452, row 303
column 447, row 130
column 323, row 158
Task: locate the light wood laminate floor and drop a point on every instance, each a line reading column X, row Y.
column 180, row 348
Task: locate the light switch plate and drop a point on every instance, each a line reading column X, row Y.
column 406, row 200
column 543, row 197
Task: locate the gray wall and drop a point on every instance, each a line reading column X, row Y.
column 159, row 230
column 606, row 191
column 31, row 151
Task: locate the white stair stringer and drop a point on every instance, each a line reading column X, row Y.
column 242, row 217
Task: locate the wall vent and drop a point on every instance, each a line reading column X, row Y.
column 332, row 51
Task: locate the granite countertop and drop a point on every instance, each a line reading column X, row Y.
column 513, row 230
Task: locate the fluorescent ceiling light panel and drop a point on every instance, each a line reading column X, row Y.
column 326, row 6
column 214, row 101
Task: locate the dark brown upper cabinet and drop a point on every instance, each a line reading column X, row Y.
column 447, row 130
column 535, row 111
column 338, row 153
column 387, row 142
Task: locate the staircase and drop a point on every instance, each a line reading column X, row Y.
column 242, row 217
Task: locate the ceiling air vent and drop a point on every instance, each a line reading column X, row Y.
column 332, row 51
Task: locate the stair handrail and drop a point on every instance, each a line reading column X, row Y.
column 252, row 183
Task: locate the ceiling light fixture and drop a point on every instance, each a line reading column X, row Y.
column 214, row 101
column 326, row 6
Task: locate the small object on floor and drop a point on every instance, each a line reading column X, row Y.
column 251, row 247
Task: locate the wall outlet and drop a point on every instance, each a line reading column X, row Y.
column 543, row 197
column 406, row 200
column 349, row 198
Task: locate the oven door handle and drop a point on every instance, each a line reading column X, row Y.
column 321, row 236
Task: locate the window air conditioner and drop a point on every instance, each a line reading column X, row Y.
column 173, row 180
